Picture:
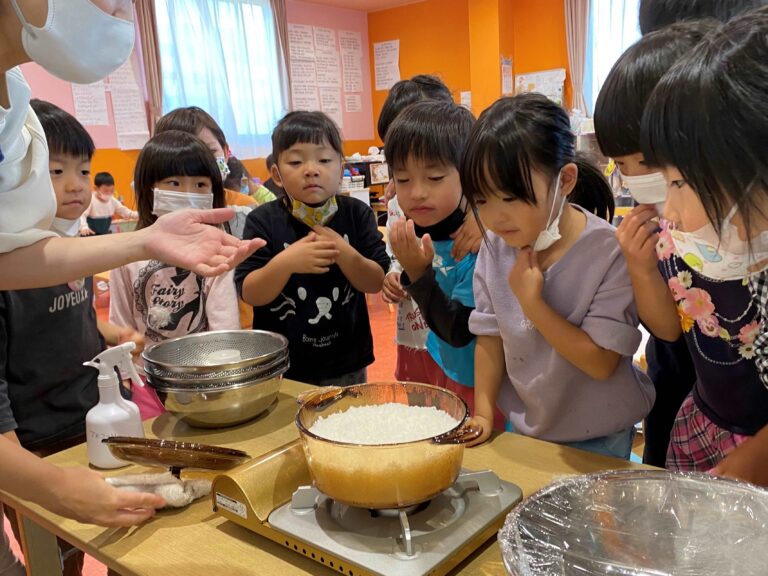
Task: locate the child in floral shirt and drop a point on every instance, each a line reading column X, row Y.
column 720, row 321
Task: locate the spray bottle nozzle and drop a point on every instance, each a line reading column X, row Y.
column 117, row 357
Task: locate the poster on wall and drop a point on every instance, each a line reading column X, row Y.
column 128, row 108
column 326, row 69
column 386, row 62
column 551, row 83
column 507, row 85
column 301, row 42
column 330, row 103
column 90, row 102
column 351, row 45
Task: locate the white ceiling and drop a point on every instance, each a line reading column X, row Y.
column 364, row 5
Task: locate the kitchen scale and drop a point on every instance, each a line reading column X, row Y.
column 273, row 496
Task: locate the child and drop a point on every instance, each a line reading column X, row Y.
column 411, row 334
column 323, row 253
column 174, row 171
column 197, row 121
column 423, row 149
column 656, row 14
column 98, row 216
column 618, row 113
column 705, row 126
column 240, row 179
column 47, row 333
column 555, row 316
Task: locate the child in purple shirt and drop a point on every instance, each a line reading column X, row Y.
column 555, row 315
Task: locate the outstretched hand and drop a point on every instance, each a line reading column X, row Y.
column 186, row 240
column 414, row 255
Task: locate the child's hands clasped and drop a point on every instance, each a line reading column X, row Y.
column 637, row 235
column 526, row 278
column 310, row 255
column 414, row 256
column 392, row 292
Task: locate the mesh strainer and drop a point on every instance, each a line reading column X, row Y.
column 196, row 359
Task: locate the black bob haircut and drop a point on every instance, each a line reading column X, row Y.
column 65, row 135
column 429, row 131
column 708, row 117
column 517, row 135
column 657, row 14
column 173, row 153
column 304, row 127
column 622, row 99
column 407, row 92
column 103, row 179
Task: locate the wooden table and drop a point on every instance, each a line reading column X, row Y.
column 195, row 541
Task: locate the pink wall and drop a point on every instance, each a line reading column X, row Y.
column 357, row 125
column 48, row 87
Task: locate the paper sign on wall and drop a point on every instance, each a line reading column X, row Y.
column 330, row 103
column 551, row 83
column 304, row 97
column 128, row 108
column 507, row 85
column 90, row 103
column 301, row 42
column 352, row 60
column 353, row 103
column 386, row 59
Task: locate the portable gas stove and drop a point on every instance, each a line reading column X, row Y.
column 273, row 496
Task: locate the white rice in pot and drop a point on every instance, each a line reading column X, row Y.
column 390, row 423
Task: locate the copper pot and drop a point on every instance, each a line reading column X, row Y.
column 384, row 475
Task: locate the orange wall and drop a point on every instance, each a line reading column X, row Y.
column 434, row 39
column 540, row 38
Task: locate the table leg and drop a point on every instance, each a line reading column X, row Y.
column 40, row 547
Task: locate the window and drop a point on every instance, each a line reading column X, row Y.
column 222, row 55
column 613, row 27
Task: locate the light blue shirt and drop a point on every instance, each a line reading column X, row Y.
column 455, row 280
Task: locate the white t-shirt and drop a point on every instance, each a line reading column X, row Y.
column 412, row 330
column 27, row 201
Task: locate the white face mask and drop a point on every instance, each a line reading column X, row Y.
column 726, row 257
column 79, row 42
column 647, row 189
column 551, row 233
column 167, row 201
column 66, row 228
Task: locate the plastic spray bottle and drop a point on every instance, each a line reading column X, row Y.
column 113, row 415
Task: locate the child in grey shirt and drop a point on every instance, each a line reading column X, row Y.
column 554, row 310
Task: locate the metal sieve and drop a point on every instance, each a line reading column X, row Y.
column 189, row 357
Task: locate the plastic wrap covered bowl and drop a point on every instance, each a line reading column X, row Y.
column 218, row 379
column 639, row 523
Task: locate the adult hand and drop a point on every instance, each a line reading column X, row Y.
column 392, row 292
column 415, row 257
column 526, row 278
column 85, row 231
column 84, row 495
column 467, row 238
column 310, row 255
column 186, row 240
column 637, row 237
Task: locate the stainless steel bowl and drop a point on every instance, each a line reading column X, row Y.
column 218, row 395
